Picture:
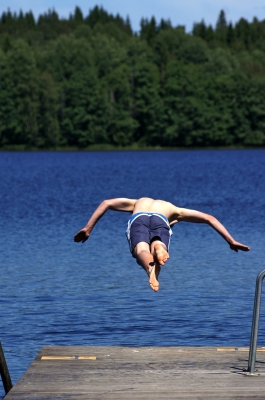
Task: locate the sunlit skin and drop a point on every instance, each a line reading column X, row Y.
column 152, row 256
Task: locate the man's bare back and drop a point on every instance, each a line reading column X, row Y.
column 154, row 254
column 145, row 204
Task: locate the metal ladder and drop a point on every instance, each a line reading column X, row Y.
column 255, row 324
column 4, row 371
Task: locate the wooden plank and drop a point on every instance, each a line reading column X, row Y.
column 57, row 358
column 128, row 373
column 238, row 349
column 67, row 358
column 86, row 358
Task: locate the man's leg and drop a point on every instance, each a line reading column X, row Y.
column 146, row 260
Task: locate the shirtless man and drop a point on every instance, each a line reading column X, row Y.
column 149, row 230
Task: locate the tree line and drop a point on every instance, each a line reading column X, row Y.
column 87, row 81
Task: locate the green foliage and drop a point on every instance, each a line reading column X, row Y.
column 108, row 53
column 186, row 104
column 221, row 27
column 99, row 16
column 78, row 15
column 19, row 96
column 89, row 81
column 49, row 129
column 148, row 106
column 121, row 125
column 193, row 50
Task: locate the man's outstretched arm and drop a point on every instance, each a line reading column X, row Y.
column 120, row 204
column 199, row 217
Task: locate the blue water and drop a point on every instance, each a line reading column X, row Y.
column 57, row 292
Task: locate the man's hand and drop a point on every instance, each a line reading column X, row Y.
column 238, row 246
column 81, row 236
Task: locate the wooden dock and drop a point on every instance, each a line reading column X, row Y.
column 130, row 373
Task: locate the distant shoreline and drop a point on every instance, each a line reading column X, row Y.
column 23, row 148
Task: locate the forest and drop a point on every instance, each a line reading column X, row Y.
column 90, row 81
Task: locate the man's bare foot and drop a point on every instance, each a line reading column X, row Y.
column 153, row 276
column 160, row 253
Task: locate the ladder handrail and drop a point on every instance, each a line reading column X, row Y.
column 255, row 323
column 4, row 371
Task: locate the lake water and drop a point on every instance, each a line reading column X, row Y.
column 57, row 292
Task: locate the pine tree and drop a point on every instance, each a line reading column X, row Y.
column 221, row 26
column 148, row 29
column 78, row 15
column 230, row 34
column 200, row 29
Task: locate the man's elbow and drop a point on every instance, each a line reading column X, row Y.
column 105, row 204
column 210, row 219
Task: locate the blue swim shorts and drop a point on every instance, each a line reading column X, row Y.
column 147, row 227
